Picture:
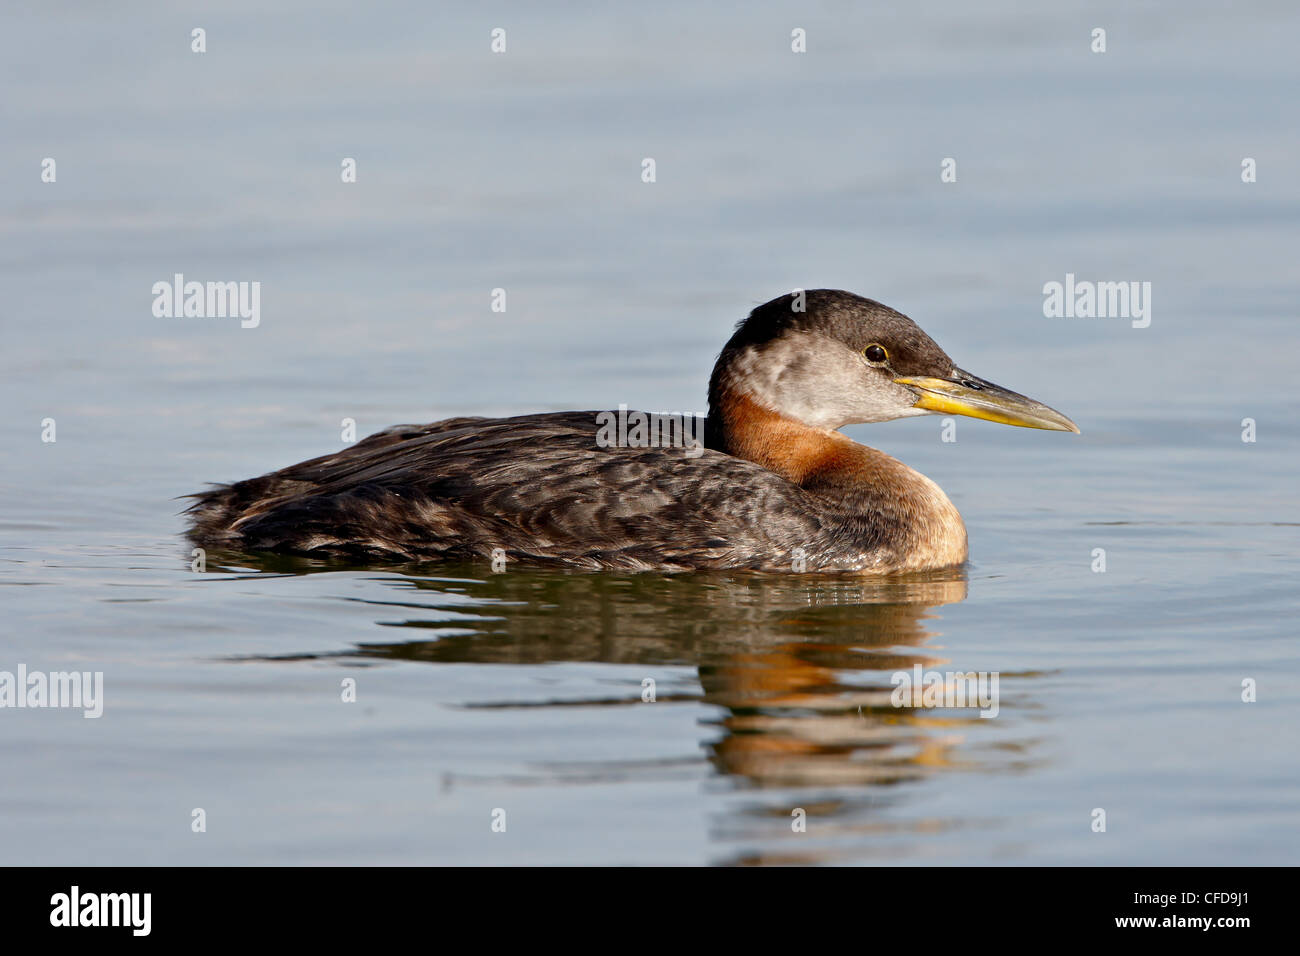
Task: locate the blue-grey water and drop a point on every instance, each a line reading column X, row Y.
column 1121, row 690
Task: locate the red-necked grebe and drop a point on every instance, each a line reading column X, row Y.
column 777, row 487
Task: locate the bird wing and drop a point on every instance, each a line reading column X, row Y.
column 538, row 487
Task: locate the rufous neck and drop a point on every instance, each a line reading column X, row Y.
column 744, row 428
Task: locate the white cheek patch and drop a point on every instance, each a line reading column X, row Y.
column 819, row 382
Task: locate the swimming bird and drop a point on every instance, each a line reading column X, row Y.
column 776, row 487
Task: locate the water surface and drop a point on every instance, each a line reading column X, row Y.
column 524, row 690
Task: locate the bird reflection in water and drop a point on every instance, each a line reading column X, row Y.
column 798, row 668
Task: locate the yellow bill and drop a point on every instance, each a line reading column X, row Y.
column 966, row 394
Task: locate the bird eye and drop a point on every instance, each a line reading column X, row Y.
column 875, row 354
